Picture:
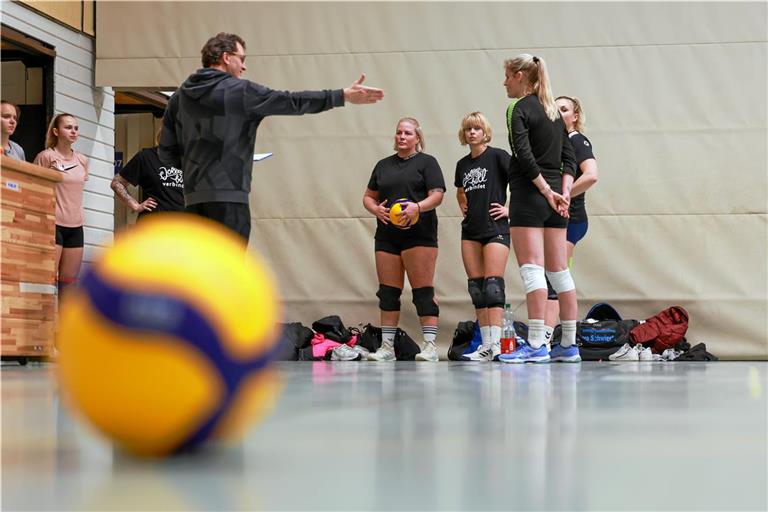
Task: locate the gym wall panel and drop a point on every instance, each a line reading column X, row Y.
column 177, row 30
column 675, row 100
column 712, row 265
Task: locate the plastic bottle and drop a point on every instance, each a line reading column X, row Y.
column 508, row 343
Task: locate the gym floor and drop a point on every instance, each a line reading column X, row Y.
column 424, row 436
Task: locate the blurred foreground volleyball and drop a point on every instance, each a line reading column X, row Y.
column 168, row 339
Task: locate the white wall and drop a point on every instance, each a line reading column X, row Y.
column 94, row 107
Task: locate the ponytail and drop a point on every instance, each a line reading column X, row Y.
column 543, row 90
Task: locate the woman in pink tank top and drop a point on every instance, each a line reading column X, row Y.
column 70, row 216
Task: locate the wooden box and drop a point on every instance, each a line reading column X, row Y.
column 27, row 258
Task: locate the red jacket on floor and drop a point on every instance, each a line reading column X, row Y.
column 662, row 331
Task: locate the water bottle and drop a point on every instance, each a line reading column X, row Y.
column 508, row 343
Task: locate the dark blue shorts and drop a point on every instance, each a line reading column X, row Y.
column 576, row 231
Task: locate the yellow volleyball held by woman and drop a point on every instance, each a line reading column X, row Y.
column 168, row 339
column 395, row 217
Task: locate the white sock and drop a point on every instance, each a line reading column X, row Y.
column 536, row 332
column 430, row 333
column 485, row 333
column 388, row 335
column 569, row 333
column 548, row 333
column 495, row 334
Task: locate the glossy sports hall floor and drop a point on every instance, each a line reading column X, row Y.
column 421, row 436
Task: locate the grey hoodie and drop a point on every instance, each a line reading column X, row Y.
column 209, row 130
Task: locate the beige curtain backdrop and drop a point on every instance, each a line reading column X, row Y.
column 675, row 99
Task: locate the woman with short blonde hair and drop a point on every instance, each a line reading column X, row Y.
column 481, row 190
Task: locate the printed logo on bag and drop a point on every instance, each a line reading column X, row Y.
column 591, row 335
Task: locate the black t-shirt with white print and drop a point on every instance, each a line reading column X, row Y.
column 484, row 180
column 163, row 183
column 410, row 178
column 583, row 151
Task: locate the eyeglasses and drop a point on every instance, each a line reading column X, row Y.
column 239, row 56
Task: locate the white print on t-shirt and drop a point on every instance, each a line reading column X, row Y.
column 475, row 179
column 174, row 175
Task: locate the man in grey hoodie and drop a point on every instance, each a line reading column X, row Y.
column 209, row 129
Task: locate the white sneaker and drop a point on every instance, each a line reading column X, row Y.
column 670, row 354
column 625, row 353
column 495, row 351
column 644, row 353
column 386, row 352
column 483, row 353
column 428, row 352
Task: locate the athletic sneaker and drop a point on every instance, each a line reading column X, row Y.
column 488, row 352
column 565, row 354
column 670, row 354
column 626, row 353
column 344, row 353
column 644, row 353
column 386, row 352
column 428, row 352
column 526, row 354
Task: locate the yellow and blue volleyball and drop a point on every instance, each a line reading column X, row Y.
column 394, row 214
column 168, row 339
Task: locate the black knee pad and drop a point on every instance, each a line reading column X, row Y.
column 551, row 293
column 495, row 292
column 424, row 300
column 389, row 297
column 475, row 287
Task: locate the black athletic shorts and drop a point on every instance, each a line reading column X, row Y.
column 502, row 239
column 531, row 210
column 397, row 245
column 235, row 216
column 69, row 238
